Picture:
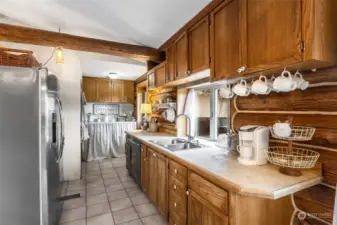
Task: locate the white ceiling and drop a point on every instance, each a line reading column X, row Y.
column 142, row 22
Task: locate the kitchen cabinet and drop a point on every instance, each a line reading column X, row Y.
column 198, row 48
column 108, row 91
column 160, row 74
column 271, row 33
column 225, row 48
column 181, row 56
column 200, row 212
column 170, row 66
column 157, row 181
column 89, row 86
column 105, row 90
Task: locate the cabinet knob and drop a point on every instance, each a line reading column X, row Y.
column 241, row 69
column 187, row 193
column 175, row 171
column 144, row 159
column 175, row 205
column 174, row 187
column 142, row 150
column 154, row 154
column 188, row 72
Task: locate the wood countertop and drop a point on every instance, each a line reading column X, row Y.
column 210, row 162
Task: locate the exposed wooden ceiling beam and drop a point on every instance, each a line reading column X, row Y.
column 26, row 35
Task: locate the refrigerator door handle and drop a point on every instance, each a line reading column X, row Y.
column 62, row 139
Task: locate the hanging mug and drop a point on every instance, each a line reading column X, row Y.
column 226, row 92
column 241, row 89
column 300, row 82
column 261, row 86
column 284, row 82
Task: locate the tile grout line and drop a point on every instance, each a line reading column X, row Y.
column 85, row 193
column 106, row 193
column 129, row 196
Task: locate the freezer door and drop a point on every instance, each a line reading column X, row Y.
column 20, row 146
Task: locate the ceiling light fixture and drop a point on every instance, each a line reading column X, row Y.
column 59, row 53
column 112, row 75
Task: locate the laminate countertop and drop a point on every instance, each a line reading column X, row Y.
column 260, row 181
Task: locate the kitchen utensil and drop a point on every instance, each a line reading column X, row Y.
column 261, row 86
column 284, row 83
column 253, row 140
column 153, row 127
column 226, row 92
column 282, row 129
column 241, row 89
column 300, row 82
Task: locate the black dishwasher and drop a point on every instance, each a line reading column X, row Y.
column 135, row 160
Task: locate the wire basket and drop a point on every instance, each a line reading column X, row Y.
column 298, row 133
column 298, row 158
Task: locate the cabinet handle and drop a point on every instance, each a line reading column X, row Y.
column 175, row 205
column 187, row 193
column 174, row 187
column 175, row 171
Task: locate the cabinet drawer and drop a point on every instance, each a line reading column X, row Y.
column 177, row 187
column 177, row 204
column 210, row 192
column 178, row 171
column 176, row 219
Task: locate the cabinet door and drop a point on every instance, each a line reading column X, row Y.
column 144, row 169
column 271, row 34
column 198, row 37
column 181, row 56
column 160, row 75
column 200, row 212
column 104, row 90
column 170, row 72
column 225, row 40
column 118, row 91
column 129, row 90
column 90, row 89
column 153, row 175
column 162, row 184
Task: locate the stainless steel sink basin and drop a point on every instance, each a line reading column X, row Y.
column 181, row 147
column 175, row 145
column 168, row 142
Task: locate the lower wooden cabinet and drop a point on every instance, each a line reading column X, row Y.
column 155, row 183
column 201, row 212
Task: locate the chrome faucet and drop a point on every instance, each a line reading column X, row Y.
column 189, row 136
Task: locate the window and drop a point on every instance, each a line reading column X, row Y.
column 211, row 113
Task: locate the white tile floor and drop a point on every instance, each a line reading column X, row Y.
column 109, row 196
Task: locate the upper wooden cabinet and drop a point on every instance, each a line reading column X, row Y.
column 170, row 65
column 160, row 74
column 181, row 56
column 198, row 38
column 107, row 90
column 225, row 40
column 89, row 86
column 271, row 33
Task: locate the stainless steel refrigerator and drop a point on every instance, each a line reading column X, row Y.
column 31, row 146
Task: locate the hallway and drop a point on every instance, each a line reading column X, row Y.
column 109, row 196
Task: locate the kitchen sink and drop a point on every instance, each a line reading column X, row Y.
column 175, row 145
column 169, row 141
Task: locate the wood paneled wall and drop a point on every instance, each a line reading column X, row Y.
column 316, row 107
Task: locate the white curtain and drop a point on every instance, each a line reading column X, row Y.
column 107, row 140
